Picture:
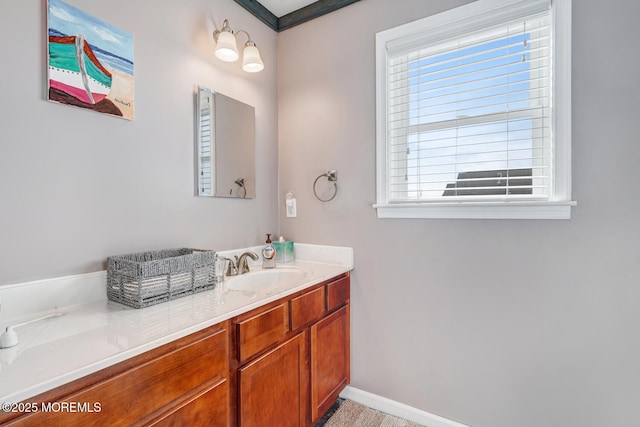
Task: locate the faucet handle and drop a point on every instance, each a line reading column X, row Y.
column 232, row 268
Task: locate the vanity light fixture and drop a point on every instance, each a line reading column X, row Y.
column 227, row 49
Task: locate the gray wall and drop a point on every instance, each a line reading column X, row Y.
column 77, row 186
column 493, row 323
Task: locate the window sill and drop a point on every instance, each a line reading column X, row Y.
column 477, row 210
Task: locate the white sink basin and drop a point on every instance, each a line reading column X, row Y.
column 268, row 279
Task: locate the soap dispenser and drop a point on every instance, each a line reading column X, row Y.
column 268, row 254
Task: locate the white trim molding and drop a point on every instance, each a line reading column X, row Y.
column 397, row 409
column 557, row 201
column 487, row 210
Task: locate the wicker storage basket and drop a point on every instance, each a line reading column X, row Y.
column 143, row 279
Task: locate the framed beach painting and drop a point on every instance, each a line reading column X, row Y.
column 90, row 62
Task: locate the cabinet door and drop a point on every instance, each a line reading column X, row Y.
column 272, row 389
column 330, row 366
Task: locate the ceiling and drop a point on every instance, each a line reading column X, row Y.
column 283, row 14
column 283, row 7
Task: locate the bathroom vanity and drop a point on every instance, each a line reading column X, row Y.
column 291, row 357
column 281, row 358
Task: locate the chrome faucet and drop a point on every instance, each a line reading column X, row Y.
column 240, row 265
column 243, row 266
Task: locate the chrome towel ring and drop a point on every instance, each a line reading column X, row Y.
column 332, row 176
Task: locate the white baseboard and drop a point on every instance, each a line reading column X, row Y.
column 397, row 409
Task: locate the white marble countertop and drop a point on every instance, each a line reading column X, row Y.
column 98, row 334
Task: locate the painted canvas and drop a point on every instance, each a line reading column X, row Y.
column 90, row 62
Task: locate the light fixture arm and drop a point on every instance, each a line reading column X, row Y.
column 249, row 40
column 226, row 27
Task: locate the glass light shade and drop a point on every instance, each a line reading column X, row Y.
column 226, row 48
column 251, row 61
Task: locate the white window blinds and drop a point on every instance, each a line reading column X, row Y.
column 469, row 116
column 206, row 142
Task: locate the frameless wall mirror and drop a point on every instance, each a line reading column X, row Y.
column 225, row 146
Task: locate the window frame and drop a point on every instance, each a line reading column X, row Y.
column 471, row 17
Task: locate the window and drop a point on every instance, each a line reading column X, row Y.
column 474, row 117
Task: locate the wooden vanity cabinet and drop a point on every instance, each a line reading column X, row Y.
column 282, row 364
column 292, row 356
column 185, row 382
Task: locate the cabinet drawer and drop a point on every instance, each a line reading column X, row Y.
column 262, row 330
column 207, row 408
column 307, row 308
column 338, row 293
column 137, row 392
